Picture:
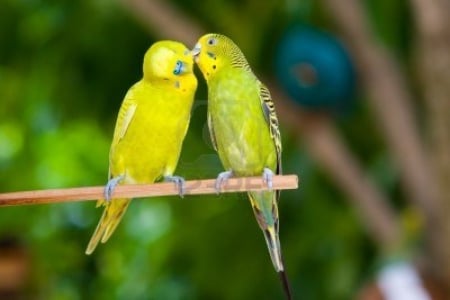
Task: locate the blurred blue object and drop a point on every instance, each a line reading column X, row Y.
column 315, row 70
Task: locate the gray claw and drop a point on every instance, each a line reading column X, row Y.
column 268, row 177
column 110, row 186
column 222, row 179
column 180, row 183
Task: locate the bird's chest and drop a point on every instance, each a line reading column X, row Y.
column 152, row 141
column 241, row 132
column 155, row 125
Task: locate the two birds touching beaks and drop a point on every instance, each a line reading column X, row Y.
column 154, row 118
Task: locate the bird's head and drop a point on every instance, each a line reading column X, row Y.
column 168, row 61
column 214, row 51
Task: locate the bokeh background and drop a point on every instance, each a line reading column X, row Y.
column 362, row 91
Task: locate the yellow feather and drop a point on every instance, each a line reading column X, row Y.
column 150, row 128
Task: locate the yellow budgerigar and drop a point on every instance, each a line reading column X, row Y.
column 150, row 129
column 244, row 130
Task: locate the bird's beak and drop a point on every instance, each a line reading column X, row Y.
column 196, row 51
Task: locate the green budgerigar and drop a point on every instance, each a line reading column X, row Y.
column 244, row 130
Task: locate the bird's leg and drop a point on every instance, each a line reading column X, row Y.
column 268, row 177
column 179, row 183
column 110, row 186
column 222, row 179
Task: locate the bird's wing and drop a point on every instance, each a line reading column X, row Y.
column 211, row 131
column 126, row 114
column 272, row 120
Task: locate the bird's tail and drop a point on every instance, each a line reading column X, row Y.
column 112, row 214
column 265, row 208
column 266, row 213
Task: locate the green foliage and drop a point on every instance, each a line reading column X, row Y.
column 64, row 69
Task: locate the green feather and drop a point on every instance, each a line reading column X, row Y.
column 244, row 129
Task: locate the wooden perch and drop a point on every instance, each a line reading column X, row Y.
column 193, row 187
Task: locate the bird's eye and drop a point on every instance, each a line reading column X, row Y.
column 178, row 67
column 212, row 41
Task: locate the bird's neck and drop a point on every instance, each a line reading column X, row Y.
column 183, row 84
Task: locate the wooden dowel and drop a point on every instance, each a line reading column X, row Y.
column 193, row 187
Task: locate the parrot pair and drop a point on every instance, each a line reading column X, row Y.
column 154, row 118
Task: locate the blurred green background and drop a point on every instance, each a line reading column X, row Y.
column 64, row 69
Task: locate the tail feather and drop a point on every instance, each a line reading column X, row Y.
column 273, row 244
column 286, row 286
column 266, row 212
column 111, row 217
column 115, row 220
column 265, row 209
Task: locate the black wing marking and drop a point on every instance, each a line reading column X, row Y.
column 272, row 120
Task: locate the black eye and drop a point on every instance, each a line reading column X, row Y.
column 212, row 41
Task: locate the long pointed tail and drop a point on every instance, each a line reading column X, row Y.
column 273, row 243
column 266, row 212
column 112, row 214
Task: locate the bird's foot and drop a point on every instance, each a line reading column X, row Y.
column 179, row 183
column 268, row 177
column 222, row 179
column 110, row 187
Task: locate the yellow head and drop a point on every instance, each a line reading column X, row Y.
column 213, row 52
column 168, row 62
